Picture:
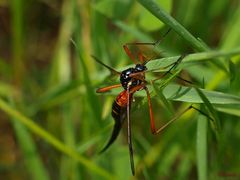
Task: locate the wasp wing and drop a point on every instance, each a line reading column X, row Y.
column 143, row 52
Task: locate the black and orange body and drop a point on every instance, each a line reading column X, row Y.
column 119, row 114
column 132, row 80
column 119, row 106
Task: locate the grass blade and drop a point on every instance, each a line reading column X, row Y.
column 193, row 58
column 166, row 104
column 215, row 122
column 188, row 94
column 33, row 162
column 202, row 125
column 52, row 140
column 170, row 21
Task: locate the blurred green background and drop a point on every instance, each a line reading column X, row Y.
column 53, row 124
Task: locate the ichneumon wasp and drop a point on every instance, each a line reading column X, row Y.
column 133, row 80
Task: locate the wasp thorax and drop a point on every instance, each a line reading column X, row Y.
column 132, row 76
column 140, row 68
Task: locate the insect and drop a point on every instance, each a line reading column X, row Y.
column 133, row 80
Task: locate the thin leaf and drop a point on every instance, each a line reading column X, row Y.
column 158, row 12
column 29, row 123
column 170, row 21
column 188, row 94
column 215, row 121
column 202, row 125
column 193, row 58
column 164, row 101
column 230, row 109
column 32, row 159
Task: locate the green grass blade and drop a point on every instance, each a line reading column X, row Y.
column 17, row 9
column 166, row 104
column 230, row 40
column 33, row 162
column 202, row 164
column 215, row 121
column 178, row 28
column 91, row 95
column 188, row 94
column 231, row 36
column 170, row 21
column 68, row 166
column 52, row 140
column 193, row 58
column 168, row 80
column 232, row 109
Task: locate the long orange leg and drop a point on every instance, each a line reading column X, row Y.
column 108, row 88
column 157, row 131
column 129, row 130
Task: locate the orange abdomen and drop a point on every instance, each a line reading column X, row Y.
column 119, row 113
column 122, row 98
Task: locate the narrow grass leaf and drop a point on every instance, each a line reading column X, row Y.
column 17, row 16
column 33, row 162
column 91, row 95
column 215, row 121
column 230, row 109
column 232, row 70
column 202, row 164
column 158, row 12
column 164, row 101
column 194, row 58
column 231, row 35
column 167, row 80
column 170, row 21
column 52, row 140
column 188, row 94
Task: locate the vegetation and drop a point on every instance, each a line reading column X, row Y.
column 53, row 124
